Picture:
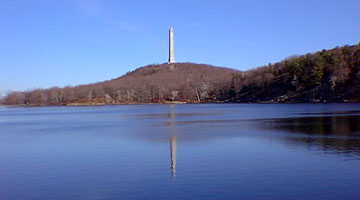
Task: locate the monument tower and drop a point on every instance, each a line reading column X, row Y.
column 171, row 46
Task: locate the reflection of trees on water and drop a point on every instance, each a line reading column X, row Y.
column 329, row 133
column 328, row 125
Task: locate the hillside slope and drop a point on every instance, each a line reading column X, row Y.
column 325, row 76
column 176, row 82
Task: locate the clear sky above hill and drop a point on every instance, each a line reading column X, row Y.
column 45, row 43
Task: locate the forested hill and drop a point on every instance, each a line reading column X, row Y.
column 176, row 82
column 325, row 76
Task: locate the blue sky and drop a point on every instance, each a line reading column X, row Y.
column 45, row 43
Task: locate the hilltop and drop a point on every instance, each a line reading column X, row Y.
column 325, row 76
column 163, row 83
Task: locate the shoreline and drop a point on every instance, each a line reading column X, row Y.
column 179, row 102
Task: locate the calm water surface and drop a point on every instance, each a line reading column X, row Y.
column 210, row 151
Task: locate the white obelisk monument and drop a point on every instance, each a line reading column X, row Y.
column 171, row 46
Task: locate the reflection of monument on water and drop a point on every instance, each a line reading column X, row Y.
column 172, row 139
column 173, row 155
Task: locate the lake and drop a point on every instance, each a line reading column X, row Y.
column 200, row 151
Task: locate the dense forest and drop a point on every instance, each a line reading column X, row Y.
column 325, row 76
